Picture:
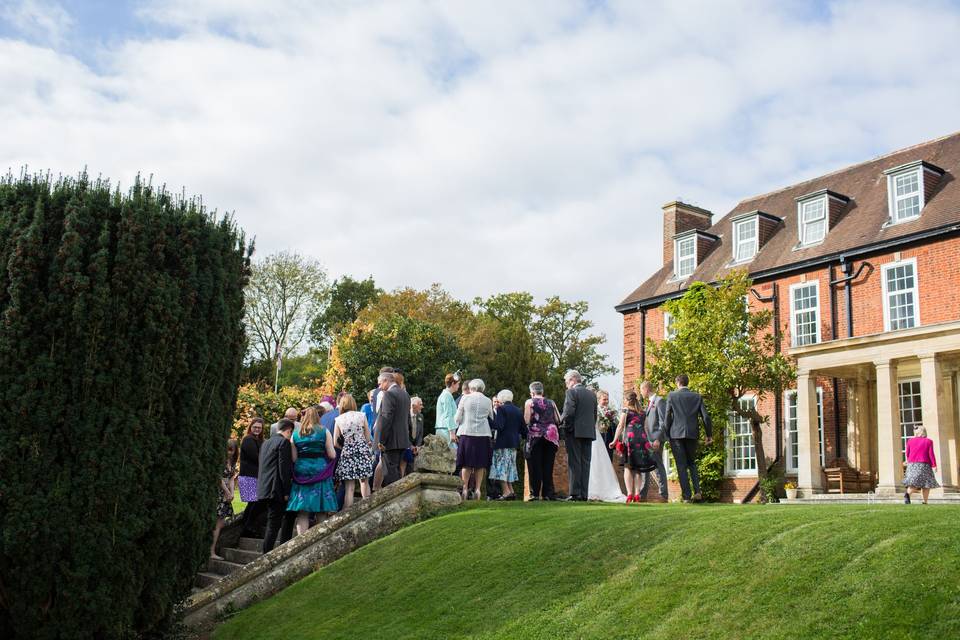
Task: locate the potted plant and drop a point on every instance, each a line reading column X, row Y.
column 791, row 489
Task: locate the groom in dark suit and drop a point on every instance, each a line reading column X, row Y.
column 580, row 430
column 684, row 409
column 392, row 426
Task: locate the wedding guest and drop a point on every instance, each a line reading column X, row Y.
column 579, row 420
column 446, row 426
column 312, row 491
column 356, row 457
column 654, row 423
column 368, row 411
column 606, row 420
column 225, row 507
column 543, row 440
column 509, row 427
column 274, row 482
column 249, row 470
column 329, row 416
column 685, row 409
column 291, row 414
column 631, row 440
column 474, row 451
column 393, row 426
column 416, row 436
column 920, row 465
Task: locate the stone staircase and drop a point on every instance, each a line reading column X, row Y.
column 246, row 576
column 234, row 558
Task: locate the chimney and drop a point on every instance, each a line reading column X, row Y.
column 679, row 217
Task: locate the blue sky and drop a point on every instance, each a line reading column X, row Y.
column 488, row 146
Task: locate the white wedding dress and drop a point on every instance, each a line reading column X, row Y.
column 603, row 484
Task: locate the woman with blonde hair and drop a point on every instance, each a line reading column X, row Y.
column 313, row 455
column 356, row 456
column 920, row 463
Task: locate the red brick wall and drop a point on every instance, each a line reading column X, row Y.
column 938, row 272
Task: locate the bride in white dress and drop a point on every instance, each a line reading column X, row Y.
column 603, row 485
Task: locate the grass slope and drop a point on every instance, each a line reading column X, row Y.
column 659, row 571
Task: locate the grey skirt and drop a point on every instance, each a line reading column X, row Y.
column 919, row 475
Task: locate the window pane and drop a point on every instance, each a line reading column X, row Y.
column 740, row 454
column 805, row 315
column 686, row 261
column 906, row 190
column 793, row 447
column 911, row 410
column 901, row 296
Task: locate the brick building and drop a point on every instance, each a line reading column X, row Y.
column 861, row 268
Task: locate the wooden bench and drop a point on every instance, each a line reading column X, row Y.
column 845, row 477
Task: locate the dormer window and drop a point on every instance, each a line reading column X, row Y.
column 817, row 213
column 686, row 253
column 908, row 188
column 745, row 239
column 813, row 220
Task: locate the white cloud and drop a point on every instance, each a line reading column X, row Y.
column 43, row 20
column 530, row 145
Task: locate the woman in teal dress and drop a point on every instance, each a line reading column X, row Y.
column 314, row 462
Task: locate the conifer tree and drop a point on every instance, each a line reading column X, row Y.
column 121, row 339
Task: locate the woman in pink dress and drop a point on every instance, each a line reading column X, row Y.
column 920, row 464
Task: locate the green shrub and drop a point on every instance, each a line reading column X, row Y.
column 257, row 400
column 121, row 341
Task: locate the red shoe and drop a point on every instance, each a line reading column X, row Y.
column 636, row 498
column 629, row 499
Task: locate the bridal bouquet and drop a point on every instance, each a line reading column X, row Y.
column 606, row 419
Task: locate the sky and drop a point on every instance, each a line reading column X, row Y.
column 489, row 146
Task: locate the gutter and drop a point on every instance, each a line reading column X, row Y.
column 656, row 301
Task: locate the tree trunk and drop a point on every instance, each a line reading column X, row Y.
column 760, row 457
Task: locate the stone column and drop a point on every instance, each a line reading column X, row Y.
column 937, row 417
column 854, row 425
column 889, row 459
column 809, row 472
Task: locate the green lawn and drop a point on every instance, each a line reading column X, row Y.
column 517, row 571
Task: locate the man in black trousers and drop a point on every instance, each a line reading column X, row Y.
column 273, row 484
column 393, row 426
column 684, row 408
column 580, row 430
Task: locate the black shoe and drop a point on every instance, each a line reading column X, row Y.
column 512, row 496
column 906, row 497
column 570, row 499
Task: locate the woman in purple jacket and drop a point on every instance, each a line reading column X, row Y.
column 920, row 464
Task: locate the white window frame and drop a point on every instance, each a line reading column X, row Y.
column 668, row 331
column 893, row 200
column 906, row 433
column 791, row 435
column 678, row 258
column 728, row 458
column 793, row 312
column 753, row 243
column 804, row 241
column 886, row 293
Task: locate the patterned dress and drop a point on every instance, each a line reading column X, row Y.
column 311, row 491
column 225, row 507
column 636, row 449
column 356, row 459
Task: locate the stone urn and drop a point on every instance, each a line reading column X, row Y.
column 791, row 493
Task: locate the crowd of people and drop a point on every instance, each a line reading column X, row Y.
column 313, row 461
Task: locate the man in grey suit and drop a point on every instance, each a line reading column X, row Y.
column 392, row 426
column 580, row 430
column 656, row 415
column 684, row 407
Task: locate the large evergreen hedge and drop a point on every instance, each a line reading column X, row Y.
column 121, row 341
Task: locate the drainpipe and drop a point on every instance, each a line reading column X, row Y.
column 773, row 298
column 834, row 381
column 643, row 343
column 848, row 277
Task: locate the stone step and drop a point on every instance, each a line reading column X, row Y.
column 241, row 556
column 223, row 567
column 250, row 544
column 205, row 579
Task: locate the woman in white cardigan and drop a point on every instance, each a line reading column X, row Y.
column 474, row 447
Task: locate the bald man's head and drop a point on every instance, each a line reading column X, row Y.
column 291, row 414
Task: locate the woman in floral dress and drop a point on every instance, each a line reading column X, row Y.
column 356, row 456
